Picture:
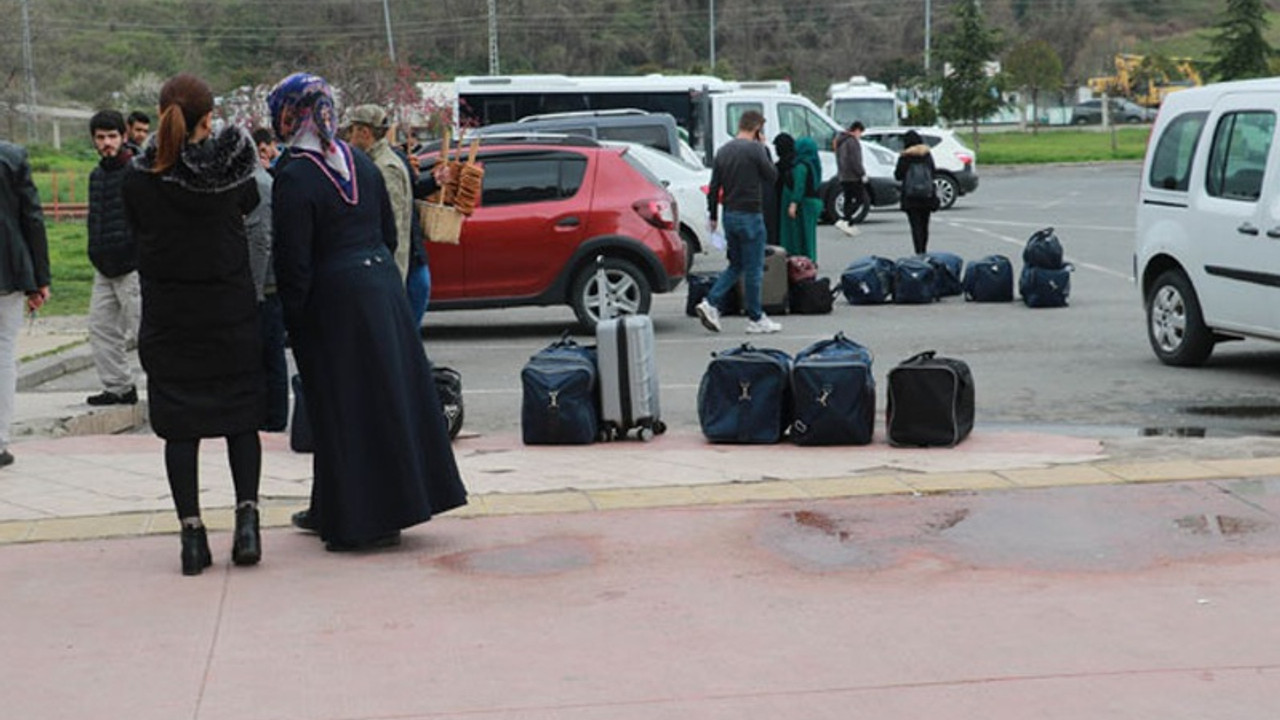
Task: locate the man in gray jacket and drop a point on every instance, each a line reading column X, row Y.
column 24, row 272
column 853, row 175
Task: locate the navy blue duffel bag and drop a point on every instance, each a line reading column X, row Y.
column 744, row 396
column 833, row 394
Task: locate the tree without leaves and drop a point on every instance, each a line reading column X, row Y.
column 968, row 91
column 1034, row 66
column 1238, row 48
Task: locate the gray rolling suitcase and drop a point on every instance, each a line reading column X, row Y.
column 628, row 377
column 774, row 284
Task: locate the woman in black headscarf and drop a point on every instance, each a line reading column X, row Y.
column 784, row 147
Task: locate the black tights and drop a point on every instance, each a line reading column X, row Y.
column 919, row 220
column 181, row 458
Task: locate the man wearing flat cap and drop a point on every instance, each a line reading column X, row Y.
column 367, row 127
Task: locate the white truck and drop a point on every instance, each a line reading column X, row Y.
column 872, row 103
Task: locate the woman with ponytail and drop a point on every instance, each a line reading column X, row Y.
column 382, row 459
column 185, row 201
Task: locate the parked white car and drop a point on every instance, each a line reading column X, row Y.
column 687, row 182
column 957, row 165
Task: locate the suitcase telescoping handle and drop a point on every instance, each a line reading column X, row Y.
column 920, row 357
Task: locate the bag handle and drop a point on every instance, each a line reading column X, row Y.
column 920, row 357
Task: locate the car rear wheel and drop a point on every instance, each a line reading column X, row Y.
column 833, row 202
column 947, row 190
column 615, row 287
column 1175, row 326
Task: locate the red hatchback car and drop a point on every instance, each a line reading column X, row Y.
column 561, row 220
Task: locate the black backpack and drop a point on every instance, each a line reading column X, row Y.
column 918, row 183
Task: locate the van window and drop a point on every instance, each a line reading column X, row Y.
column 655, row 136
column 1171, row 165
column 516, row 179
column 733, row 113
column 1238, row 156
column 799, row 121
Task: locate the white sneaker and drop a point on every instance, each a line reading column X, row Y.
column 709, row 315
column 847, row 228
column 762, row 326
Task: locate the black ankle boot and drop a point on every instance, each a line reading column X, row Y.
column 246, row 548
column 195, row 550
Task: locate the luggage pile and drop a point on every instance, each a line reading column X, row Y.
column 825, row 395
column 1045, row 280
column 576, row 394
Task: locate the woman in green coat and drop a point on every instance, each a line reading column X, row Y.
column 800, row 205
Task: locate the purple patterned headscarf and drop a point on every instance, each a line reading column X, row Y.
column 303, row 116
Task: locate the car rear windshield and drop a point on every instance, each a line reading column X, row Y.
column 655, row 136
column 639, row 167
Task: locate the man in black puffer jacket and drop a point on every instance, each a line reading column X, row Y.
column 115, row 305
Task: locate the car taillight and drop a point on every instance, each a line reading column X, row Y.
column 658, row 213
column 965, row 158
column 705, row 189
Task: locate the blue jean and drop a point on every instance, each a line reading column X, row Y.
column 745, row 235
column 418, row 285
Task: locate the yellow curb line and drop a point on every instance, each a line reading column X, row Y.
column 277, row 513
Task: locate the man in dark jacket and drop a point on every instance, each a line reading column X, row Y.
column 115, row 304
column 24, row 272
column 743, row 171
column 853, row 175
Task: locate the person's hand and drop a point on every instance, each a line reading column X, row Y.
column 442, row 173
column 414, row 163
column 791, row 211
column 36, row 300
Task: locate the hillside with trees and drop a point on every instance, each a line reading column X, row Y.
column 116, row 52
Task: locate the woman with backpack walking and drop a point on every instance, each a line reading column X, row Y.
column 919, row 197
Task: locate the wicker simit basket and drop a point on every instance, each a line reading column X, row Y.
column 441, row 223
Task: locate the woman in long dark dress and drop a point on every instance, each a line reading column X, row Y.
column 382, row 459
column 185, row 201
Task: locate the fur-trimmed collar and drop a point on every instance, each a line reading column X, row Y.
column 219, row 163
column 916, row 150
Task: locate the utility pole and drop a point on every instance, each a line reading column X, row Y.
column 712, row 34
column 391, row 43
column 30, row 75
column 494, row 68
column 928, row 29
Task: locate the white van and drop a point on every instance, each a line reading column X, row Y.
column 1207, row 256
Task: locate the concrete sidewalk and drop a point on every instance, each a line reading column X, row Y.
column 1123, row 601
column 1021, row 574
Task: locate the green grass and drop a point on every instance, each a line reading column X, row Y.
column 69, row 265
column 1049, row 146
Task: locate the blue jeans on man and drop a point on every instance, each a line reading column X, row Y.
column 745, row 235
column 418, row 285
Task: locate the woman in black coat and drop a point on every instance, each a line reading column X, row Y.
column 918, row 205
column 382, row 459
column 199, row 342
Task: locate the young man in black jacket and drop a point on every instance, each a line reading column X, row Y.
column 115, row 304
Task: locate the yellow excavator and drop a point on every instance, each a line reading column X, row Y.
column 1146, row 80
